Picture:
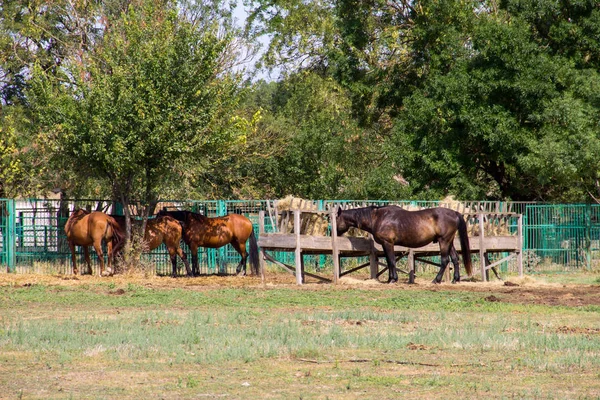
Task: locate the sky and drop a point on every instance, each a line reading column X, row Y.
column 240, row 14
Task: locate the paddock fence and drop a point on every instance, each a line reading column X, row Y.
column 556, row 237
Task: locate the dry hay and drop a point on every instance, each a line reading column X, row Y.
column 493, row 226
column 346, row 280
column 312, row 222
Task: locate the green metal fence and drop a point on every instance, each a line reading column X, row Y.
column 560, row 237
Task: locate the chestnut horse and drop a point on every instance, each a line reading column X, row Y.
column 201, row 231
column 84, row 228
column 163, row 229
column 391, row 225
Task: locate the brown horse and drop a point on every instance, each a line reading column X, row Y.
column 163, row 229
column 84, row 228
column 201, row 231
column 391, row 225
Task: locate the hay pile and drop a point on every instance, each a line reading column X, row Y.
column 492, row 226
column 311, row 221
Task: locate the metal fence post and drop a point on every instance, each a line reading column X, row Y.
column 588, row 237
column 11, row 256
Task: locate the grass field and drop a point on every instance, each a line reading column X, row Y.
column 230, row 337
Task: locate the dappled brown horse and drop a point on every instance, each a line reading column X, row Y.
column 391, row 225
column 84, row 228
column 201, row 231
column 163, row 229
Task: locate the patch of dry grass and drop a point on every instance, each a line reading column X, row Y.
column 236, row 337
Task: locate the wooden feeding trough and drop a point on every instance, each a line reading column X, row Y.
column 343, row 246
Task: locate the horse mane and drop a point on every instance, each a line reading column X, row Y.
column 196, row 216
column 181, row 215
column 363, row 213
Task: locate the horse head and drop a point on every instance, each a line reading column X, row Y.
column 341, row 222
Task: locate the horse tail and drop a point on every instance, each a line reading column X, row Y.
column 183, row 234
column 254, row 253
column 464, row 244
column 118, row 236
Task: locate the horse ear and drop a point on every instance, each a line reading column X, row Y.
column 339, row 211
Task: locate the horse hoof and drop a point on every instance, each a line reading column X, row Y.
column 391, row 281
column 435, row 282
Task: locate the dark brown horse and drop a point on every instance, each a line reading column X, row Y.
column 391, row 225
column 84, row 228
column 201, row 231
column 163, row 229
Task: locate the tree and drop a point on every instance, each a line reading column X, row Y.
column 508, row 119
column 144, row 107
column 303, row 141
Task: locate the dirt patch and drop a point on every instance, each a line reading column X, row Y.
column 578, row 331
column 525, row 290
column 492, row 298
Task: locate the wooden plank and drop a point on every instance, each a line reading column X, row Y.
column 293, row 270
column 348, row 245
column 509, row 257
column 354, row 269
column 273, row 260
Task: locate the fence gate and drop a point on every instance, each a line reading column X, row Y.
column 567, row 235
column 7, row 235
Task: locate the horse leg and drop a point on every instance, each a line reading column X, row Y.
column 173, row 257
column 444, row 252
column 454, row 258
column 86, row 253
column 194, row 250
column 100, row 254
column 73, row 258
column 183, row 257
column 390, row 257
column 241, row 248
column 109, row 250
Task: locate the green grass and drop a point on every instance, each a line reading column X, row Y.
column 346, row 341
column 260, row 299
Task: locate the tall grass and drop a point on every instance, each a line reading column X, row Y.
column 229, row 334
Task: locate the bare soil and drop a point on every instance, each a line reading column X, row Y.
column 518, row 290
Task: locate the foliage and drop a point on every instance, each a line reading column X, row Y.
column 381, row 99
column 306, row 143
column 23, row 171
column 508, row 120
column 463, row 97
column 118, row 114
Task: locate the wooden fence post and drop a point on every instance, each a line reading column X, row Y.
column 299, row 277
column 261, row 257
column 482, row 247
column 334, row 246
